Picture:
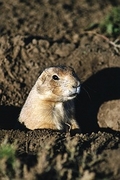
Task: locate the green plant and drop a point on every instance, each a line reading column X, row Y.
column 8, row 162
column 111, row 24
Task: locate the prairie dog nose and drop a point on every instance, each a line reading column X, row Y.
column 77, row 88
column 77, row 85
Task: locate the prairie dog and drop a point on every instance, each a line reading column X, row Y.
column 50, row 103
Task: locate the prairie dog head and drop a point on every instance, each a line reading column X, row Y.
column 57, row 84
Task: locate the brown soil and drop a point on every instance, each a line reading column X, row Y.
column 38, row 34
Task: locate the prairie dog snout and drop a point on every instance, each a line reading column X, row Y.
column 50, row 102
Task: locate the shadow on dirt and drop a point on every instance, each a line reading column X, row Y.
column 101, row 87
column 8, row 117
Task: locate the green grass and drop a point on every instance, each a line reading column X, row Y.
column 111, row 24
column 8, row 163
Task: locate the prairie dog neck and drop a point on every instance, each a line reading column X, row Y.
column 59, row 114
column 43, row 112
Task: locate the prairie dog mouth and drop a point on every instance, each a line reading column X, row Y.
column 74, row 94
column 77, row 91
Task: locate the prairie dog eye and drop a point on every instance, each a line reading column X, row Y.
column 55, row 77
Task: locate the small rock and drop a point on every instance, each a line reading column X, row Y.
column 34, row 41
column 109, row 115
column 75, row 38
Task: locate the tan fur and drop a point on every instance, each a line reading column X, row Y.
column 50, row 103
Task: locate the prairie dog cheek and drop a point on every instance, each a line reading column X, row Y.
column 57, row 93
column 40, row 89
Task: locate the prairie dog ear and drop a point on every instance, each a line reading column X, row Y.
column 41, row 79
